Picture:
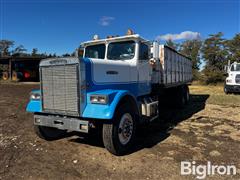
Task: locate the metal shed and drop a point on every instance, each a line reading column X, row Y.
column 20, row 68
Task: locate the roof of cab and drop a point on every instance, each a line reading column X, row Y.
column 127, row 37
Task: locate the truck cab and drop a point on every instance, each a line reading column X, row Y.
column 232, row 83
column 119, row 63
column 115, row 84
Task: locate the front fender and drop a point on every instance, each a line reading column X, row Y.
column 93, row 111
column 34, row 105
column 104, row 111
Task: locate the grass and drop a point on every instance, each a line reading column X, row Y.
column 216, row 95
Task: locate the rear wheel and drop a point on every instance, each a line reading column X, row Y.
column 119, row 136
column 180, row 96
column 186, row 94
column 49, row 133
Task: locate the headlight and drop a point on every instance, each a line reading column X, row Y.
column 35, row 96
column 99, row 99
column 229, row 80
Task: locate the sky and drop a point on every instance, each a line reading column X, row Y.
column 59, row 26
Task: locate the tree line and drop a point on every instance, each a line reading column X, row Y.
column 214, row 52
column 8, row 49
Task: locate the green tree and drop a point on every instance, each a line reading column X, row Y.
column 214, row 51
column 233, row 47
column 66, row 55
column 34, row 52
column 5, row 45
column 19, row 50
column 192, row 49
column 172, row 44
column 214, row 55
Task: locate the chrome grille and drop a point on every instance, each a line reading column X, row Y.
column 60, row 92
column 237, row 79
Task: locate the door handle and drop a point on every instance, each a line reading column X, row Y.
column 111, row 72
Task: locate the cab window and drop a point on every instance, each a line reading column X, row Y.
column 95, row 51
column 143, row 52
column 121, row 50
column 235, row 67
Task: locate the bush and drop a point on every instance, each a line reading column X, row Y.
column 196, row 75
column 3, row 67
column 212, row 76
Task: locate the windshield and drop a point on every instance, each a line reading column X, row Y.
column 95, row 51
column 235, row 67
column 121, row 50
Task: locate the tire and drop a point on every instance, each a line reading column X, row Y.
column 117, row 140
column 180, row 96
column 186, row 94
column 225, row 89
column 49, row 133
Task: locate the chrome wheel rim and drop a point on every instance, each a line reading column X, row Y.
column 125, row 129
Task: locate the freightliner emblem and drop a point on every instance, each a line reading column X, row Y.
column 58, row 61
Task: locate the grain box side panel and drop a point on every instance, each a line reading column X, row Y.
column 177, row 69
column 173, row 67
column 167, row 60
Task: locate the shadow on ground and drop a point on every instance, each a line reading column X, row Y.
column 160, row 129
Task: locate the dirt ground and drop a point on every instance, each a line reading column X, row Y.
column 202, row 131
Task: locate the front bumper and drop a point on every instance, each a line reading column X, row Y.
column 232, row 88
column 64, row 123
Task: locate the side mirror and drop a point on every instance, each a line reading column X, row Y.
column 79, row 53
column 225, row 68
column 225, row 74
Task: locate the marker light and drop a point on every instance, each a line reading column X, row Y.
column 95, row 37
column 129, row 32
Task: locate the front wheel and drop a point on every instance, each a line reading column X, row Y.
column 225, row 89
column 118, row 137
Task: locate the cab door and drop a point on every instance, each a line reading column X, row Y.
column 110, row 71
column 115, row 68
column 144, row 69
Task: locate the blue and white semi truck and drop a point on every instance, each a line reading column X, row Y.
column 115, row 84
